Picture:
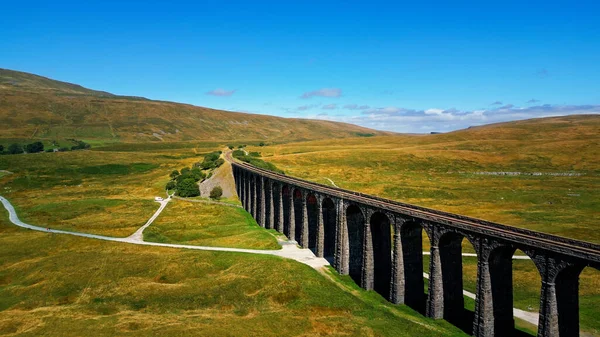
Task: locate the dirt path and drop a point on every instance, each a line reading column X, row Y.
column 288, row 249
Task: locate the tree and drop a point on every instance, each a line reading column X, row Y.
column 1, row 148
column 197, row 174
column 230, row 147
column 80, row 145
column 15, row 149
column 34, row 147
column 171, row 185
column 261, row 144
column 174, row 174
column 216, row 192
column 188, row 188
column 185, row 171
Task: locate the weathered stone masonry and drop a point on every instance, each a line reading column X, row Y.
column 378, row 242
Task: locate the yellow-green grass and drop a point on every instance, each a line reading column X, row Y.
column 109, row 193
column 203, row 224
column 34, row 107
column 59, row 285
column 438, row 171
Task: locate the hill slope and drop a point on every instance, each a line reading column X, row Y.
column 35, row 107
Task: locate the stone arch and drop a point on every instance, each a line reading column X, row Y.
column 381, row 243
column 258, row 200
column 501, row 284
column 450, row 249
column 567, row 300
column 329, row 227
column 276, row 199
column 268, row 222
column 287, row 207
column 411, row 236
column 355, row 227
column 298, row 214
column 312, row 212
column 252, row 196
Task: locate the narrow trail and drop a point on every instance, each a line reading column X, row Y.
column 332, row 183
column 139, row 234
column 288, row 248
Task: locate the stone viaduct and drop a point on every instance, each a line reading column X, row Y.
column 378, row 242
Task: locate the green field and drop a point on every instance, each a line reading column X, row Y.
column 69, row 286
column 204, row 224
column 52, row 284
column 108, row 193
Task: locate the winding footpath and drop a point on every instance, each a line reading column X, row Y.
column 289, row 249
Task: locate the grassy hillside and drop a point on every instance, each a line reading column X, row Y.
column 460, row 172
column 34, row 107
column 54, row 285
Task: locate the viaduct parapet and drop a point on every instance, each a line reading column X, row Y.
column 378, row 242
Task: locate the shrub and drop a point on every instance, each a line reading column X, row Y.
column 261, row 144
column 1, row 148
column 230, row 147
column 211, row 161
column 197, row 174
column 171, row 185
column 216, row 192
column 34, row 147
column 188, row 188
column 80, row 145
column 174, row 174
column 15, row 149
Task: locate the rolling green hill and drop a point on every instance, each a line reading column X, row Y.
column 35, row 107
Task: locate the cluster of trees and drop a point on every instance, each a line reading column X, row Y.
column 15, row 148
column 253, row 159
column 185, row 182
column 36, row 147
column 211, row 161
column 231, row 146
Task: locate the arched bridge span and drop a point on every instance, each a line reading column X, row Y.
column 378, row 242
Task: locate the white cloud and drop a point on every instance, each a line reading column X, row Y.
column 324, row 92
column 329, row 107
column 221, row 92
column 410, row 120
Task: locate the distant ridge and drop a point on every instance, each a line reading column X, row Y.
column 36, row 107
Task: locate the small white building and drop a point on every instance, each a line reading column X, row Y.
column 158, row 199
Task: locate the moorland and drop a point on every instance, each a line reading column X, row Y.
column 52, row 284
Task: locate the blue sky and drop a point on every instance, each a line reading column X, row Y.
column 400, row 66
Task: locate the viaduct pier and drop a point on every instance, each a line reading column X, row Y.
column 378, row 242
